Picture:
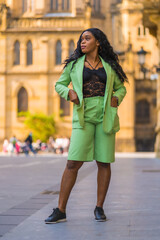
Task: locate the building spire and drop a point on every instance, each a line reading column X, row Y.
column 4, row 13
column 88, row 10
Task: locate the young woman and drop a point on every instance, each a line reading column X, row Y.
column 98, row 89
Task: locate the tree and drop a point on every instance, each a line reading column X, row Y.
column 41, row 125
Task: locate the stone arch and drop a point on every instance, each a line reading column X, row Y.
column 29, row 89
column 22, row 100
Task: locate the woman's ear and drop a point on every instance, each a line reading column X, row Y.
column 97, row 43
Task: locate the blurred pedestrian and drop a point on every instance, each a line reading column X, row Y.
column 50, row 144
column 5, row 146
column 29, row 141
column 13, row 141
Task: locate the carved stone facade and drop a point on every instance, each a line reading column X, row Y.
column 36, row 35
column 151, row 19
column 128, row 36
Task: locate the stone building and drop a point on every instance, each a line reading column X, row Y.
column 35, row 38
column 129, row 35
column 151, row 19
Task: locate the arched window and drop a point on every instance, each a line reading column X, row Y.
column 16, row 60
column 22, row 100
column 142, row 31
column 58, row 52
column 97, row 5
column 142, row 111
column 71, row 47
column 65, row 4
column 65, row 107
column 53, row 4
column 29, row 53
column 24, row 5
column 56, row 5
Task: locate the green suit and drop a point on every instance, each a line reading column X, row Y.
column 114, row 87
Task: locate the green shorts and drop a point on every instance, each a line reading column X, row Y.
column 91, row 142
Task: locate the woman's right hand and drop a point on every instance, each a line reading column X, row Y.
column 73, row 96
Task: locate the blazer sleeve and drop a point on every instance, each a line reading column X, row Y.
column 119, row 89
column 61, row 85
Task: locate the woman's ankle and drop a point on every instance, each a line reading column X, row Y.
column 63, row 210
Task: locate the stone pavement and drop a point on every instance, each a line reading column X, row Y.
column 132, row 205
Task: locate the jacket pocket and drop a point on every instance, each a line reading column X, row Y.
column 115, row 118
column 75, row 113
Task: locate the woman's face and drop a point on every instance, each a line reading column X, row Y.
column 88, row 42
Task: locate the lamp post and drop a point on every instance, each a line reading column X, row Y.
column 141, row 60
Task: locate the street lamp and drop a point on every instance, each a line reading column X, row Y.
column 141, row 56
column 141, row 60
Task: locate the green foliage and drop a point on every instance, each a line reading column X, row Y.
column 41, row 125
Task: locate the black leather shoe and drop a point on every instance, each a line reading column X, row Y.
column 56, row 217
column 99, row 214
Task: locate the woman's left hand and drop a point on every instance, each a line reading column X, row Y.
column 114, row 101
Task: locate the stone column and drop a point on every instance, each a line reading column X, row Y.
column 29, row 6
column 157, row 144
column 88, row 10
column 43, row 51
column 64, row 49
column 23, row 54
column 3, row 13
column 2, row 89
column 73, row 7
column 126, row 137
column 39, row 6
column 2, row 107
column 9, row 3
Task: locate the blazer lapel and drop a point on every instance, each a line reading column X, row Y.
column 80, row 65
column 79, row 74
column 107, row 68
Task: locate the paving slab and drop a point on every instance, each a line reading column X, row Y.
column 132, row 207
column 6, row 228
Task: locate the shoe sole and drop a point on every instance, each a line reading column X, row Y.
column 58, row 221
column 101, row 220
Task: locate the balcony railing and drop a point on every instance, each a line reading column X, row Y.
column 45, row 24
column 151, row 4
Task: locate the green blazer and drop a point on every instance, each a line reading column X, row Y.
column 114, row 87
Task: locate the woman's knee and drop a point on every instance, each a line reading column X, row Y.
column 103, row 165
column 74, row 165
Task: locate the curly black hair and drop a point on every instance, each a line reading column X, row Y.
column 105, row 51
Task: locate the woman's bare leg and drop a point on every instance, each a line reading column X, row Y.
column 68, row 180
column 103, row 180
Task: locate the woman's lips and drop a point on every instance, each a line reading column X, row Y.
column 82, row 47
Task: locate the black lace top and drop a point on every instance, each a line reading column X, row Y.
column 94, row 82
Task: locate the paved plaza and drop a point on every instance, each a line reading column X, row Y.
column 29, row 188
